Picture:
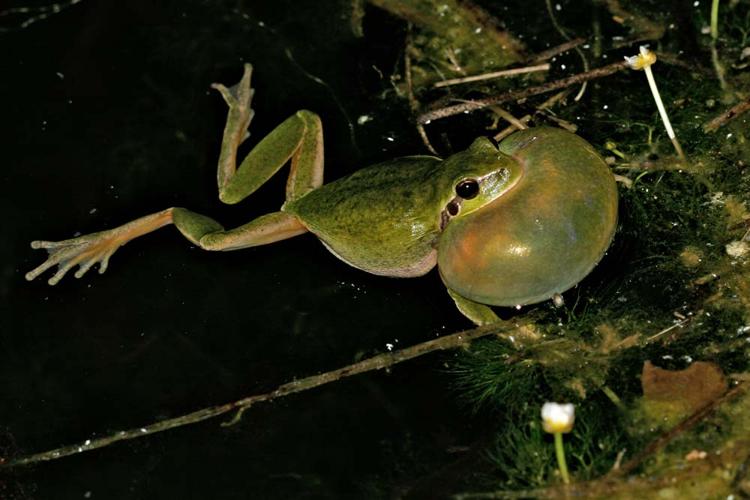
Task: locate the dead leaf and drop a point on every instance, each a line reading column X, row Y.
column 676, row 393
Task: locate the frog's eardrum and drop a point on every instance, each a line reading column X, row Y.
column 544, row 235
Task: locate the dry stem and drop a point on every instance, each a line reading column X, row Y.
column 559, row 49
column 516, row 95
column 494, row 74
column 727, row 116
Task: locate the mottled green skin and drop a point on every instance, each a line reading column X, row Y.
column 541, row 237
column 380, row 219
column 386, row 219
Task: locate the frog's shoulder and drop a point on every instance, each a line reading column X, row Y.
column 371, row 186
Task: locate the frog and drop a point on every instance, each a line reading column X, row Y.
column 507, row 224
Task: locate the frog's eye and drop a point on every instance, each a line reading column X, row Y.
column 467, row 189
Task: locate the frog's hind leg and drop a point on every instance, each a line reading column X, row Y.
column 299, row 138
column 97, row 248
column 210, row 235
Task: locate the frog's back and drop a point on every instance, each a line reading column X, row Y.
column 384, row 219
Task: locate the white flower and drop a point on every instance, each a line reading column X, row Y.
column 641, row 61
column 557, row 417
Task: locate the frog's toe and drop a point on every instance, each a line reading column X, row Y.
column 63, row 254
column 83, row 252
column 40, row 269
column 84, row 267
column 37, row 244
column 62, row 270
column 225, row 93
column 239, row 95
column 104, row 261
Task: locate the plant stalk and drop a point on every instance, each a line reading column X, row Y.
column 663, row 113
column 560, row 452
column 715, row 20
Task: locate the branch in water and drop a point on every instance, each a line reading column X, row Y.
column 512, row 331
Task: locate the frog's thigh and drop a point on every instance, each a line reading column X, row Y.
column 299, row 138
column 210, row 235
column 479, row 314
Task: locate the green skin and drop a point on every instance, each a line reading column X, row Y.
column 542, row 214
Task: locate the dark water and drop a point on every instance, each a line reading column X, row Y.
column 107, row 116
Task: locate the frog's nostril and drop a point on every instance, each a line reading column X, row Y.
column 453, row 207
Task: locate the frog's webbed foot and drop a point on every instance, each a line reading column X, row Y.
column 238, row 97
column 84, row 251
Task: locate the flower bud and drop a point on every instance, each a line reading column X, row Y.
column 557, row 417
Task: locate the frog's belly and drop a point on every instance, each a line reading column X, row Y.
column 410, row 269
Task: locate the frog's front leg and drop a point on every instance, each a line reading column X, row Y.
column 299, row 138
column 479, row 314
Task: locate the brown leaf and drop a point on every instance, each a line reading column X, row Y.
column 683, row 391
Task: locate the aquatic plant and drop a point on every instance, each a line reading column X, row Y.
column 557, row 419
column 643, row 61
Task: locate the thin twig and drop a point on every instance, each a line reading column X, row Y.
column 727, row 116
column 559, row 49
column 379, row 362
column 505, row 115
column 565, row 35
column 545, row 106
column 413, row 103
column 718, row 66
column 511, row 128
column 494, row 74
column 36, row 14
column 515, row 95
column 678, row 324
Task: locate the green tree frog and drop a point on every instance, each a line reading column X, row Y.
column 506, row 225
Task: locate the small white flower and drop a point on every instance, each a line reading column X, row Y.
column 643, row 60
column 557, row 417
